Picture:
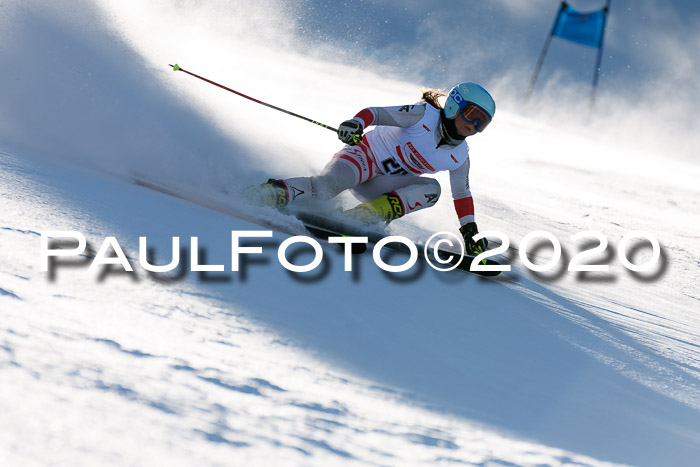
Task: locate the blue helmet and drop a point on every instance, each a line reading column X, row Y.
column 465, row 94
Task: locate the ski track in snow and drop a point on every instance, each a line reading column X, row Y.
column 200, row 371
column 181, row 373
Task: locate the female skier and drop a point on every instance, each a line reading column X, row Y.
column 386, row 166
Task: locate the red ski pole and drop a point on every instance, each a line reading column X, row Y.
column 176, row 67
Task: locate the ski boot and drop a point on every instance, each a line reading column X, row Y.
column 386, row 208
column 274, row 193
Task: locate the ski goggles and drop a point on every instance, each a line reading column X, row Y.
column 475, row 115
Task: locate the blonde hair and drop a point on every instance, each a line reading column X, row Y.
column 431, row 97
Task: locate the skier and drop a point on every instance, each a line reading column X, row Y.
column 386, row 166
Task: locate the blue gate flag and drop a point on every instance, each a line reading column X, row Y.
column 582, row 28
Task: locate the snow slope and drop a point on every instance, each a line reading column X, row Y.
column 330, row 367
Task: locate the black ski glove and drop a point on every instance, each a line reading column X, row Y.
column 468, row 231
column 350, row 132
